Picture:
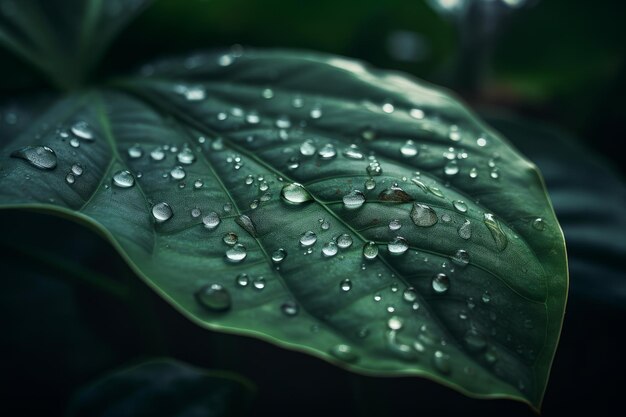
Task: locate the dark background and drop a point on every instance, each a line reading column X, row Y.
column 551, row 63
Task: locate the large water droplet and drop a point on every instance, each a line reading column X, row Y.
column 82, row 130
column 409, row 149
column 441, row 283
column 394, row 323
column 461, row 257
column 308, row 238
column 329, row 249
column 370, row 250
column 344, row 241
column 279, row 255
column 354, row 199
column 41, row 157
column 247, row 224
column 123, row 179
column 295, row 194
column 398, row 246
column 344, row 353
column 237, row 253
column 496, row 231
column 465, row 230
column 395, row 194
column 214, row 297
column 162, row 212
column 289, row 308
column 211, row 220
column 422, row 215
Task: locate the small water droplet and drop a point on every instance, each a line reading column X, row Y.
column 123, row 179
column 409, row 295
column 307, row 148
column 451, row 168
column 329, row 249
column 70, row 179
column 344, row 353
column 295, row 194
column 316, row 113
column 388, row 108
column 289, row 308
column 345, row 285
column 186, row 156
column 486, row 297
column 325, row 225
column 198, row 184
column 327, row 151
column 253, row 118
column 368, row 134
column 354, row 199
column 465, row 230
column 211, row 220
column 370, row 250
column 194, row 93
column 41, row 157
column 283, row 122
column 230, row 238
column 135, row 152
column 398, row 246
column 441, row 283
column 370, row 184
column 308, row 238
column 395, row 225
column 82, row 130
column 473, row 173
column 214, row 297
column 353, row 152
column 374, row 169
column 416, row 113
column 344, row 241
column 195, row 212
column 74, row 143
column 162, row 212
column 77, row 169
column 481, row 142
column 394, row 323
column 178, row 173
column 237, row 253
column 460, row 206
column 157, row 154
column 539, row 224
column 409, row 149
column 498, row 235
column 279, row 255
column 258, row 283
column 242, row 280
column 267, row 93
column 423, row 215
column 461, row 257
column 441, row 361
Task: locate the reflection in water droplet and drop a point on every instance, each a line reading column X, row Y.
column 258, row 283
column 461, row 257
column 214, row 297
column 295, row 194
column 451, row 168
column 123, row 179
column 178, row 173
column 70, row 179
column 82, row 130
column 344, row 241
column 460, row 206
column 329, row 249
column 354, row 199
column 307, row 148
column 422, row 215
column 345, row 285
column 395, row 194
column 186, row 156
column 370, row 250
column 211, row 220
column 308, row 238
column 398, row 246
column 409, row 149
column 344, row 353
column 409, row 295
column 496, row 231
column 539, row 224
column 242, row 280
column 237, row 253
column 465, row 230
column 41, row 157
column 230, row 238
column 327, row 151
column 157, row 154
column 395, row 224
column 441, row 283
column 162, row 212
column 279, row 255
column 135, row 152
column 289, row 308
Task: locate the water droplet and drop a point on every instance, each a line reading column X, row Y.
column 308, row 238
column 214, row 297
column 247, row 224
column 324, row 224
column 394, row 323
column 481, row 142
column 495, row 173
column 195, row 212
column 41, row 157
column 295, row 194
column 461, row 257
column 307, row 148
column 316, row 113
column 473, row 173
column 135, row 152
column 475, row 341
column 82, row 130
column 353, row 152
column 230, row 238
column 157, row 154
column 409, row 294
column 162, row 212
column 70, row 179
column 441, row 361
column 211, row 220
column 539, row 224
column 194, row 93
column 370, row 184
column 395, row 194
column 123, row 179
column 440, row 283
column 178, row 173
column 279, row 255
column 297, row 102
column 370, row 250
column 267, row 93
column 374, row 169
column 258, row 283
column 283, row 122
column 345, row 285
column 237, row 253
column 253, row 118
column 454, row 134
column 486, row 297
column 344, row 241
column 77, row 169
column 388, row 108
column 465, row 230
column 186, row 156
column 446, row 218
column 198, row 184
column 422, row 215
column 242, row 280
column 496, row 231
column 289, row 308
column 395, row 224
column 368, row 134
column 344, row 353
column 409, row 149
column 416, row 113
column 460, row 206
column 329, row 249
column 451, row 168
column 327, row 151
column 354, row 199
column 398, row 246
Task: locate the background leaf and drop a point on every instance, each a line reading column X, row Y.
column 241, row 127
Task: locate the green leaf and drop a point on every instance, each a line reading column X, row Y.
column 64, row 38
column 246, row 128
column 164, row 387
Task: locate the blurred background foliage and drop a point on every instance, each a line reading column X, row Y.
column 558, row 61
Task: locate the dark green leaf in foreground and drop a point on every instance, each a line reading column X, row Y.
column 304, row 199
column 165, row 388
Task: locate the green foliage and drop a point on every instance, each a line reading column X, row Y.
column 357, row 215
